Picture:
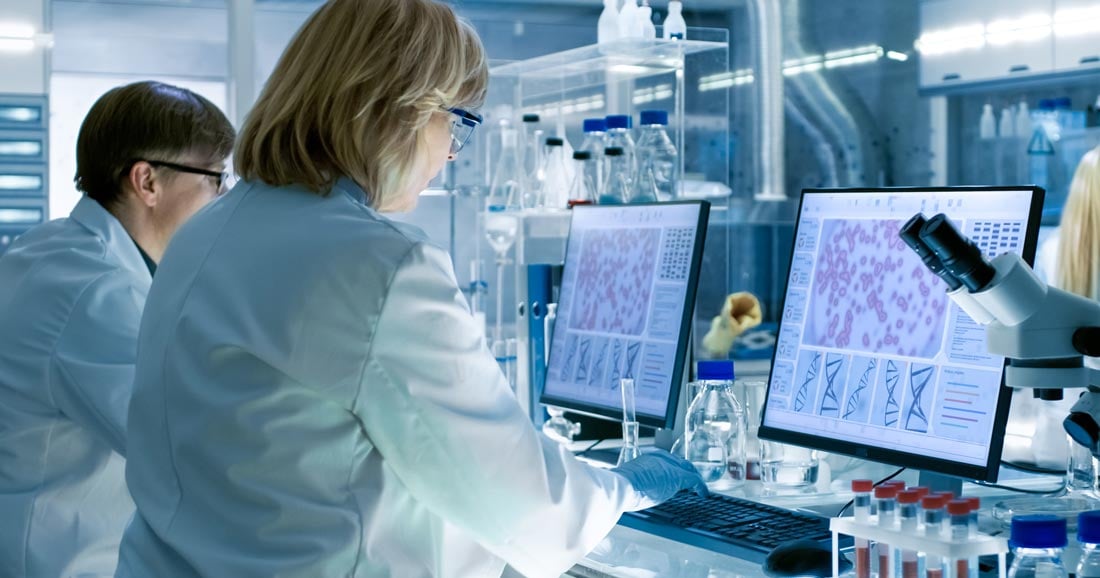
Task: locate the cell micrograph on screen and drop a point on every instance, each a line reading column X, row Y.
column 806, row 376
column 831, row 387
column 871, row 293
column 889, row 389
column 965, row 402
column 856, row 403
column 614, row 280
column 921, row 387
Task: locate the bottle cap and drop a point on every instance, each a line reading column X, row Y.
column 595, row 125
column 862, row 485
column 958, row 507
column 1088, row 527
column 714, row 370
column 620, row 121
column 908, row 497
column 886, row 492
column 581, row 155
column 899, row 484
column 975, row 503
column 948, row 496
column 613, row 151
column 554, row 142
column 654, row 117
column 530, row 118
column 933, row 502
column 923, row 491
column 1038, row 531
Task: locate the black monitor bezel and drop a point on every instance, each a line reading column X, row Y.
column 684, row 341
column 895, row 457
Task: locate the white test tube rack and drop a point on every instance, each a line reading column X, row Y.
column 949, row 550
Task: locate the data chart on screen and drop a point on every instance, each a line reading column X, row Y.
column 624, row 297
column 870, row 348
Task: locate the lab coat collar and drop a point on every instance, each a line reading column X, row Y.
column 89, row 213
column 351, row 189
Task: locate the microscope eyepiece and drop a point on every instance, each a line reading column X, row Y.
column 910, row 234
column 960, row 256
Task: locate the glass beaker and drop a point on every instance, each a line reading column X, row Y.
column 751, row 394
column 785, row 467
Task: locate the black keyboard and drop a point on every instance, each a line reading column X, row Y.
column 732, row 526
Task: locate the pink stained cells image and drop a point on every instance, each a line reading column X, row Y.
column 613, row 280
column 850, row 278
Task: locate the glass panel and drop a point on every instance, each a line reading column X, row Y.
column 21, row 114
column 20, row 148
column 20, row 182
column 20, row 215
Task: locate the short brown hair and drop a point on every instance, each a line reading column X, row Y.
column 353, row 91
column 145, row 120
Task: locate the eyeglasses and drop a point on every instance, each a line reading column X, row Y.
column 220, row 178
column 462, row 127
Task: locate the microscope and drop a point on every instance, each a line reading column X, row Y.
column 1044, row 332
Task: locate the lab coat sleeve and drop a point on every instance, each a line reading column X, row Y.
column 436, row 405
column 92, row 368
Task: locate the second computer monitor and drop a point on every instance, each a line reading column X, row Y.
column 627, row 296
column 873, row 359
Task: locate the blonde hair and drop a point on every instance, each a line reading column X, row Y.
column 353, row 91
column 1079, row 238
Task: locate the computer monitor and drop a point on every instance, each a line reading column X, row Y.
column 624, row 309
column 873, row 359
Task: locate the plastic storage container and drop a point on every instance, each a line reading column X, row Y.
column 714, row 430
column 657, row 160
column 1037, row 542
column 1088, row 535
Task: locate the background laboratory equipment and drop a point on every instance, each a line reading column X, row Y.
column 556, row 175
column 629, row 449
column 657, row 159
column 616, row 189
column 619, row 127
column 1037, row 542
column 595, row 141
column 880, row 364
column 583, row 189
column 1088, row 536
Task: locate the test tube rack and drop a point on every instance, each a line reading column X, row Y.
column 980, row 545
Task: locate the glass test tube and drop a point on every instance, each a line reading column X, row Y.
column 959, row 511
column 886, row 503
column 932, row 506
column 908, row 504
column 862, row 503
column 975, row 506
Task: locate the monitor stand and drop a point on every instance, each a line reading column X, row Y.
column 940, row 483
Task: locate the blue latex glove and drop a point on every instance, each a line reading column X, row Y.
column 659, row 475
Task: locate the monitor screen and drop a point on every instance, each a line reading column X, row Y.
column 873, row 359
column 625, row 306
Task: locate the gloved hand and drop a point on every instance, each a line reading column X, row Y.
column 656, row 476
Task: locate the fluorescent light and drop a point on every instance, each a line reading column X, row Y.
column 20, row 182
column 800, row 65
column 20, row 45
column 1077, row 21
column 850, row 56
column 629, row 69
column 20, row 215
column 22, row 148
column 951, row 40
column 659, row 92
column 726, row 79
column 899, row 56
column 16, row 30
column 1025, row 29
column 20, row 113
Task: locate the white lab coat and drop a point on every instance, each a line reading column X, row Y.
column 71, row 294
column 313, row 398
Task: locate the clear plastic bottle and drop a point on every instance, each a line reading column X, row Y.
column 714, row 430
column 616, row 187
column 909, row 522
column 582, row 191
column 618, row 135
column 987, row 127
column 658, row 161
column 1037, row 542
column 506, row 188
column 645, row 21
column 1088, row 535
column 675, row 27
column 959, row 520
column 628, row 20
column 607, row 29
column 595, row 140
column 861, row 503
column 532, row 135
column 556, row 183
column 886, row 504
column 933, row 509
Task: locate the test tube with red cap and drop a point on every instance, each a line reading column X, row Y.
column 886, row 501
column 975, row 505
column 862, row 504
column 932, row 507
column 909, row 506
column 959, row 511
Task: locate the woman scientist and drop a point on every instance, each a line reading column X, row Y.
column 313, row 397
column 1070, row 259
